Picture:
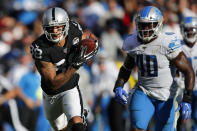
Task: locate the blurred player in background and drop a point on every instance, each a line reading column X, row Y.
column 189, row 33
column 56, row 60
column 9, row 111
column 155, row 53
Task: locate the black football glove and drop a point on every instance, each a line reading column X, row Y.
column 77, row 58
column 81, row 55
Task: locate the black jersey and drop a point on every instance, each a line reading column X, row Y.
column 45, row 50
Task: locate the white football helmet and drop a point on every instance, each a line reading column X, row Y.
column 55, row 17
column 149, row 23
column 189, row 29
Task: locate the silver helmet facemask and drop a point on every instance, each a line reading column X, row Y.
column 55, row 17
column 149, row 23
column 189, row 29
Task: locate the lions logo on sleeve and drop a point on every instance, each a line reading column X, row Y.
column 173, row 47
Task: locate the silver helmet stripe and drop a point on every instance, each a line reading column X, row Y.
column 53, row 14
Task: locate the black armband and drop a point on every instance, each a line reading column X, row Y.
column 187, row 96
column 119, row 83
column 124, row 73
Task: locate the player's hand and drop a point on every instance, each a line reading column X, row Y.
column 77, row 60
column 121, row 95
column 185, row 109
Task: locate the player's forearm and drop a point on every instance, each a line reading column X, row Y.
column 8, row 95
column 185, row 67
column 123, row 77
column 125, row 72
column 189, row 84
column 88, row 34
column 189, row 79
column 62, row 78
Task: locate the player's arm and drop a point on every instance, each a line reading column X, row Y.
column 84, row 34
column 16, row 92
column 125, row 71
column 10, row 94
column 182, row 63
column 48, row 73
column 87, row 34
column 123, row 77
column 80, row 57
column 185, row 67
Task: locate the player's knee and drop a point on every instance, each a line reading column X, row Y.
column 139, row 125
column 78, row 127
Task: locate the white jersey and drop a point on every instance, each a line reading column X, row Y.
column 191, row 54
column 155, row 72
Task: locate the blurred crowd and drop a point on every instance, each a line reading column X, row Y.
column 111, row 20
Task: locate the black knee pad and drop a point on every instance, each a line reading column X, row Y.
column 78, row 127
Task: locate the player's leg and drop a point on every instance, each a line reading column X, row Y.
column 116, row 118
column 53, row 111
column 73, row 107
column 141, row 110
column 165, row 115
column 178, row 98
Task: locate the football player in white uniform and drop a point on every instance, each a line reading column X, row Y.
column 189, row 46
column 156, row 55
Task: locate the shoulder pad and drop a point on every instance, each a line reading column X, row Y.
column 130, row 42
column 76, row 25
column 42, row 42
column 74, row 34
column 173, row 45
column 40, row 49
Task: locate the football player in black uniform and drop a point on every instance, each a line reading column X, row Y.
column 56, row 59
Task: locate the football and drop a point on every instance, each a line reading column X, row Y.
column 87, row 48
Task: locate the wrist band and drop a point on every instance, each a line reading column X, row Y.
column 187, row 96
column 119, row 83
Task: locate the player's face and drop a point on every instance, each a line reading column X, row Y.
column 56, row 31
column 190, row 32
column 146, row 29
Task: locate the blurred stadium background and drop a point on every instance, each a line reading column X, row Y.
column 111, row 20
